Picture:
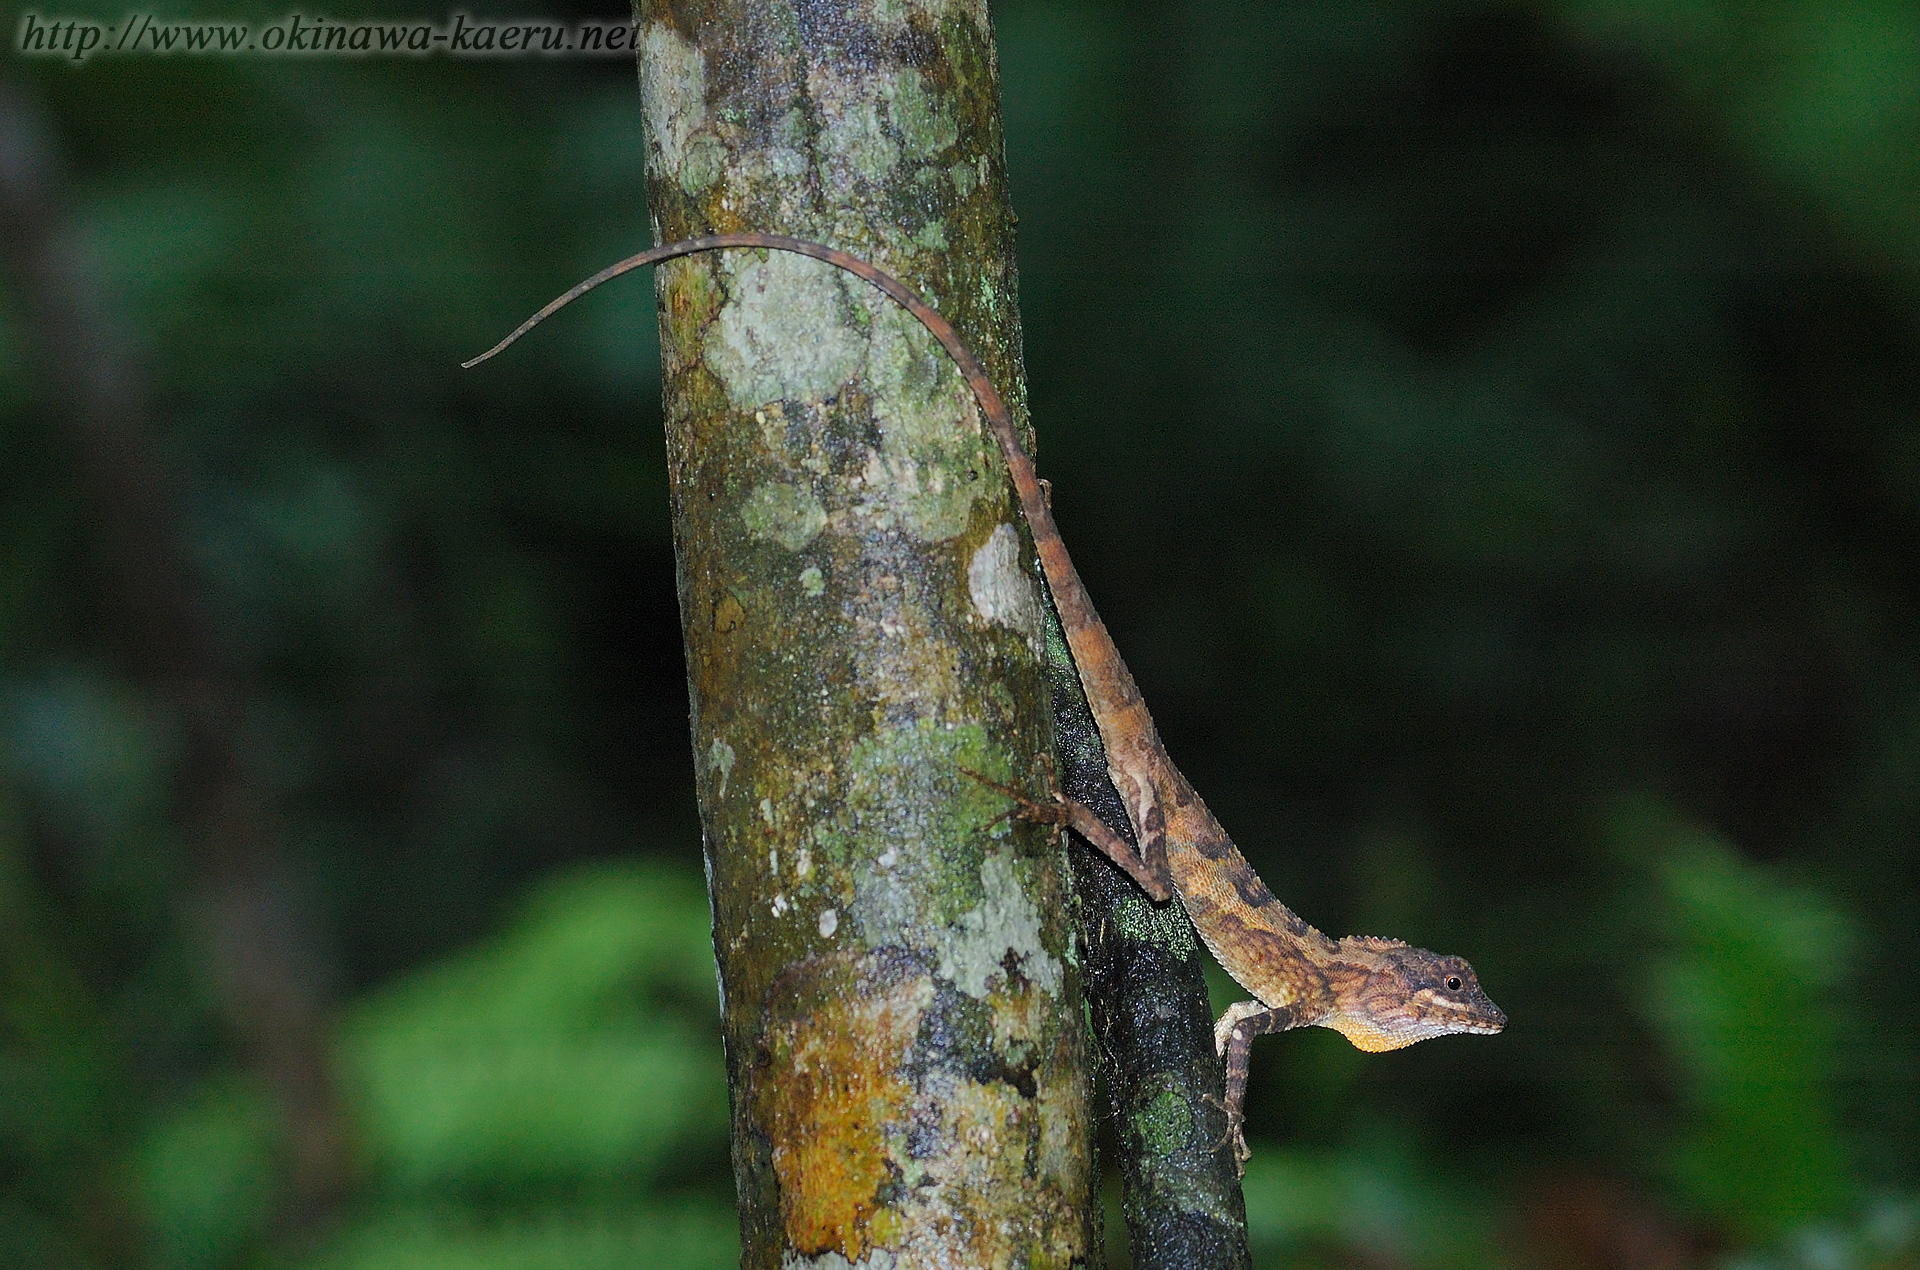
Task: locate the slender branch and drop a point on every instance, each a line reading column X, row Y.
column 1146, row 982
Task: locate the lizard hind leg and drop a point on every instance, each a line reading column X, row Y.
column 1153, row 839
column 1095, row 830
column 1060, row 810
column 1233, row 1040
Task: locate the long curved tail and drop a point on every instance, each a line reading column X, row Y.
column 1116, row 701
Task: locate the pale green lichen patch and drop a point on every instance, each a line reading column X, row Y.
column 1165, row 924
column 785, row 333
column 786, row 155
column 706, row 159
column 780, row 512
column 790, row 332
column 925, row 129
column 1162, row 1126
column 964, row 178
column 869, row 126
column 1005, row 922
column 812, row 581
column 1167, row 1121
column 855, row 136
column 789, row 131
column 933, row 457
column 890, row 16
column 908, row 796
column 673, row 92
column 1002, row 591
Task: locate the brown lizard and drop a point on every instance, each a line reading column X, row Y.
column 1381, row 994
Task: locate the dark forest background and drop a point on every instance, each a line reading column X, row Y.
column 1492, row 433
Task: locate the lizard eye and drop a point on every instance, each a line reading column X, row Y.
column 1453, row 983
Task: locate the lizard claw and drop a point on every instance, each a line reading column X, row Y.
column 1234, row 1136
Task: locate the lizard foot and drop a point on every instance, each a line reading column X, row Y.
column 1235, row 1134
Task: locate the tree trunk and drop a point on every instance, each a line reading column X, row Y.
column 906, row 1046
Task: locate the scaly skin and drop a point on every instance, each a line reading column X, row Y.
column 1380, row 994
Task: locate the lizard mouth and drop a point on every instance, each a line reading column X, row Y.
column 1488, row 1022
column 1475, row 1018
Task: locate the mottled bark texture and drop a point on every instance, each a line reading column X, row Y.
column 1146, row 982
column 906, row 1047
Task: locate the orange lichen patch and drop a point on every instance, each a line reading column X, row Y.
column 833, row 1095
column 690, row 296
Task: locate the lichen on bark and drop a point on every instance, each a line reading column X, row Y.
column 903, row 1017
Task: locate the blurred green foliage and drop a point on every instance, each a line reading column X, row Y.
column 555, row 1056
column 1371, row 1199
column 1744, row 1001
column 204, row 1175
column 540, row 1100
column 1492, row 432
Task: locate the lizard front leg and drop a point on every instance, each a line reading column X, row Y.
column 1233, row 1040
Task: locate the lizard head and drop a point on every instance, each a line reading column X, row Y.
column 1402, row 994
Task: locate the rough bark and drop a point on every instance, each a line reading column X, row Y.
column 906, row 1048
column 1146, row 982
